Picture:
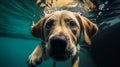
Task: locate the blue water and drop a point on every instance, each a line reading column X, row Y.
column 16, row 42
column 14, row 52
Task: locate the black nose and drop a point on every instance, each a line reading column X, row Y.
column 58, row 43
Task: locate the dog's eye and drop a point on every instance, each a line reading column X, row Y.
column 49, row 24
column 72, row 24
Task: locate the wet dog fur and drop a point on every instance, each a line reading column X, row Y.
column 60, row 34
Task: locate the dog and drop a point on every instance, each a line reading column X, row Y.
column 60, row 34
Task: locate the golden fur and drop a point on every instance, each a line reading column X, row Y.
column 86, row 5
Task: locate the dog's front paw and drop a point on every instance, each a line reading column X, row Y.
column 33, row 61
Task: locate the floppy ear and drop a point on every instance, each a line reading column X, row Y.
column 37, row 29
column 89, row 28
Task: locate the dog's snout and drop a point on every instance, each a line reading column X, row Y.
column 58, row 42
column 58, row 47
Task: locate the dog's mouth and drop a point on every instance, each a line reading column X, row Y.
column 60, row 57
column 58, row 50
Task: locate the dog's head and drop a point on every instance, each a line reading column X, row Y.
column 62, row 30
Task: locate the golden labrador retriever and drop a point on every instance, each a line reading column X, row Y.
column 60, row 33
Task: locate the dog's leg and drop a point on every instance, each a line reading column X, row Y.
column 75, row 61
column 54, row 64
column 36, row 56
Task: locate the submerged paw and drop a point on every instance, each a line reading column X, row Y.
column 33, row 61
